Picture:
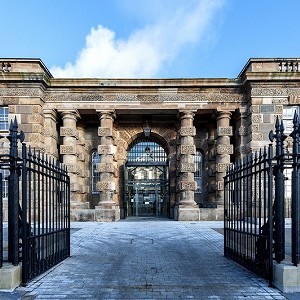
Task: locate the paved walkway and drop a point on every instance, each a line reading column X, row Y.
column 146, row 259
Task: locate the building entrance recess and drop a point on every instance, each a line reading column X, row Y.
column 146, row 180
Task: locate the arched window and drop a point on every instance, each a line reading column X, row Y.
column 95, row 176
column 198, row 173
column 145, row 150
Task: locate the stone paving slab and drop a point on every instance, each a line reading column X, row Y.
column 146, row 259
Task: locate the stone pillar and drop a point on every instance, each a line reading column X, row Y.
column 51, row 135
column 82, row 169
column 224, row 149
column 211, row 144
column 107, row 209
column 241, row 134
column 69, row 152
column 186, row 208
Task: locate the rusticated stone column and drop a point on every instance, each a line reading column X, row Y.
column 51, row 135
column 241, row 134
column 186, row 209
column 107, row 209
column 69, row 152
column 224, row 149
column 211, row 143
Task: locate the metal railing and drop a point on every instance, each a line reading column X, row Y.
column 38, row 208
column 255, row 208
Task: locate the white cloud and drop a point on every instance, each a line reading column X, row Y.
column 145, row 51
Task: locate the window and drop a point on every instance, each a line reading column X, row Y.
column 198, row 173
column 288, row 116
column 5, row 174
column 95, row 176
column 3, row 118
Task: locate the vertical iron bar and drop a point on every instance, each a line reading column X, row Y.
column 13, row 197
column 279, row 217
column 295, row 192
column 1, row 222
column 25, row 232
column 270, row 213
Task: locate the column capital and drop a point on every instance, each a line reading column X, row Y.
column 221, row 114
column 106, row 114
column 70, row 114
column 51, row 114
column 186, row 114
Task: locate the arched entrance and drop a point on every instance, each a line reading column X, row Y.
column 146, row 179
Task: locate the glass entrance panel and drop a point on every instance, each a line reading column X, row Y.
column 146, row 180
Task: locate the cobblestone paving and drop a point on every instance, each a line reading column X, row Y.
column 154, row 259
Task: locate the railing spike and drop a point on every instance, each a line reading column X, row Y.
column 277, row 123
column 296, row 118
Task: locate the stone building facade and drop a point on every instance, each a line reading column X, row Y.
column 137, row 147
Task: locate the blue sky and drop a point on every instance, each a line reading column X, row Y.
column 149, row 39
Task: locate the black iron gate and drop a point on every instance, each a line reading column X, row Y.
column 38, row 208
column 254, row 203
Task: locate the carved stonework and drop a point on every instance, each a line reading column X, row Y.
column 282, row 91
column 187, row 185
column 255, row 128
column 224, row 131
column 212, row 97
column 222, row 167
column 187, row 149
column 36, row 137
column 220, row 185
column 278, row 109
column 187, row 167
column 255, row 109
column 293, row 99
column 72, row 168
column 148, row 98
column 106, row 186
column 106, row 149
column 64, row 149
column 104, row 167
column 280, row 100
column 10, row 100
column 225, row 149
column 35, row 118
column 12, row 109
column 243, row 130
column 256, row 118
column 105, row 131
column 257, row 136
column 39, row 129
column 187, row 131
column 14, row 92
column 67, row 131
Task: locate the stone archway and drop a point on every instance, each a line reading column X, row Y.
column 166, row 135
column 146, row 179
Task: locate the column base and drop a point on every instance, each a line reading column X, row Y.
column 103, row 214
column 10, row 277
column 79, row 205
column 82, row 215
column 186, row 213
